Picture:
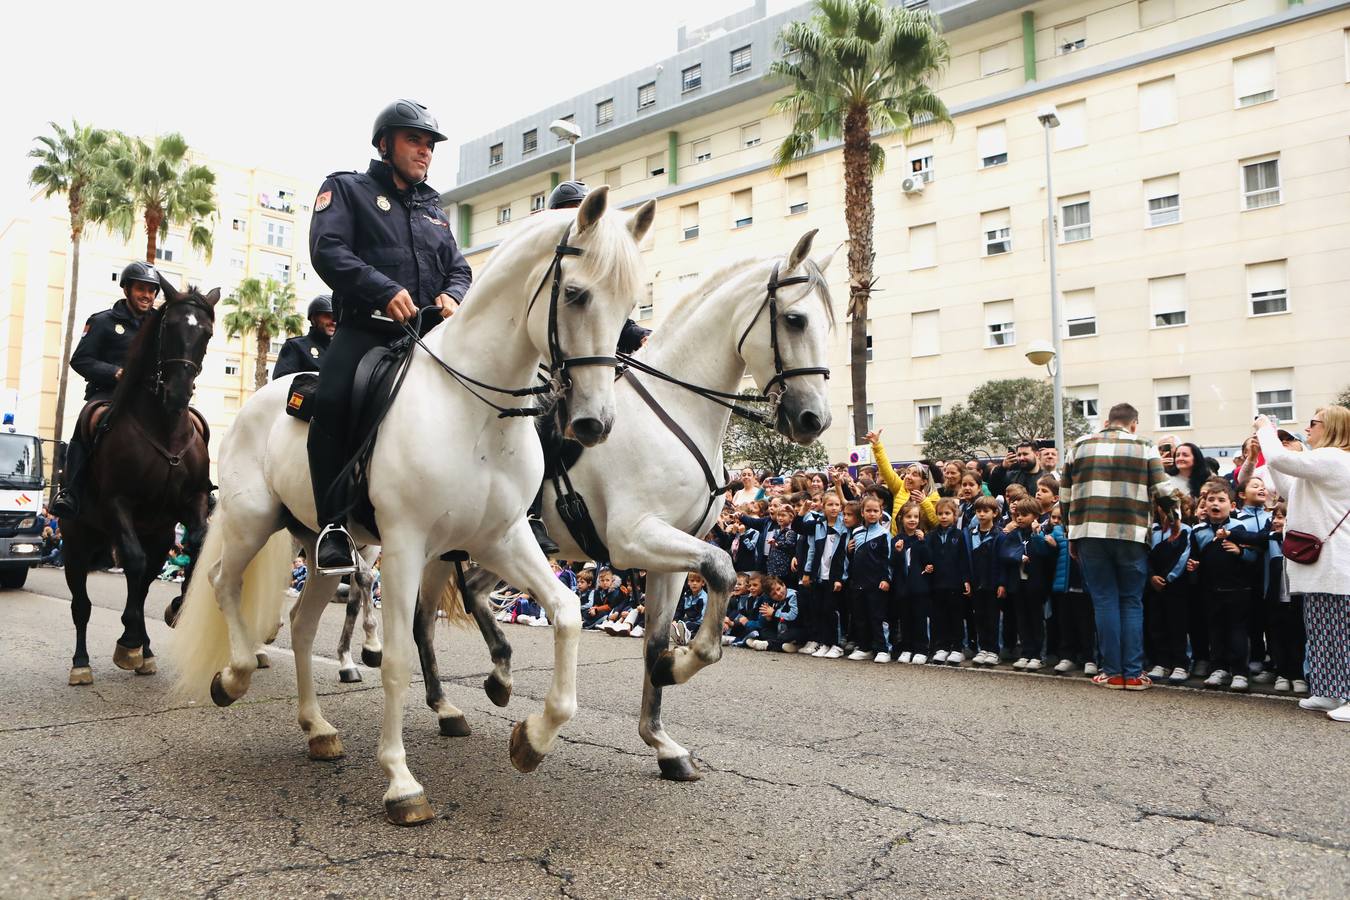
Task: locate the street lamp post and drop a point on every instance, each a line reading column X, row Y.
column 565, row 130
column 1049, row 119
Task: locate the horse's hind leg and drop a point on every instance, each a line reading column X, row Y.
column 477, row 582
column 78, row 555
column 244, row 534
column 372, row 648
column 323, row 738
column 450, row 718
column 663, row 591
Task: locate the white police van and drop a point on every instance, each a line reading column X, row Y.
column 21, row 486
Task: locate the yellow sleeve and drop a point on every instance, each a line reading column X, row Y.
column 928, row 511
column 894, row 483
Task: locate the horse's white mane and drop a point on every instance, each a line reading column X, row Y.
column 720, row 277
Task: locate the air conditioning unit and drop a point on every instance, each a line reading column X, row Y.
column 913, row 184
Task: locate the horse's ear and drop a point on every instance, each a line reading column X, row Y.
column 213, row 297
column 802, row 250
column 592, row 208
column 642, row 220
column 823, row 261
column 171, row 294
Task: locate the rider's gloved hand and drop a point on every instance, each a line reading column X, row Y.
column 401, row 308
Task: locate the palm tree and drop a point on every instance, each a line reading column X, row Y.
column 267, row 309
column 856, row 69
column 70, row 162
column 156, row 180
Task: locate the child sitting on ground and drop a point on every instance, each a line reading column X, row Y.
column 779, row 626
column 689, row 610
column 604, row 599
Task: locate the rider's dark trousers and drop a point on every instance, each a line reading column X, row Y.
column 77, row 454
column 329, row 438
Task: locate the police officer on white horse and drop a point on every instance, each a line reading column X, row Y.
column 99, row 358
column 304, row 353
column 381, row 241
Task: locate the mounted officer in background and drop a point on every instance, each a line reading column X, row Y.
column 382, row 242
column 304, row 353
column 98, row 359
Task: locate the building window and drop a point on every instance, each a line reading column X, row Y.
column 274, row 346
column 647, row 95
column 163, row 253
column 529, row 141
column 742, row 213
column 537, row 202
column 740, row 60
column 646, row 308
column 1075, row 219
column 1080, row 314
column 656, row 165
column 796, row 194
column 999, row 327
column 604, row 112
column 750, row 134
column 923, row 246
column 1072, row 130
column 1158, row 103
column 1268, row 288
column 232, row 367
column 691, row 78
column 703, row 150
column 569, row 118
column 1167, row 300
column 1070, row 37
column 1164, row 200
column 614, row 177
column 994, row 60
column 495, row 155
column 871, row 422
column 1174, row 402
column 991, row 142
column 281, row 271
column 239, row 224
column 1254, row 78
column 1083, row 401
column 278, row 234
column 921, row 160
column 237, row 262
column 1274, row 394
column 503, row 215
column 924, row 337
column 1156, row 12
column 1261, row 182
column 689, row 221
column 867, row 352
column 997, row 228
column 925, row 411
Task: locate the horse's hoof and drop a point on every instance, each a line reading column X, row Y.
column 455, row 726
column 371, row 658
column 326, row 747
column 218, row 695
column 264, row 662
column 414, row 810
column 149, row 667
column 679, row 768
column 81, row 675
column 497, row 691
column 524, row 757
column 663, row 670
column 130, row 659
column 349, row 676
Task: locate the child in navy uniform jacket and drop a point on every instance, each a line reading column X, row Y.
column 1020, row 584
column 781, row 542
column 983, row 536
column 1284, row 613
column 1165, row 603
column 869, row 567
column 1256, row 552
column 910, row 595
column 1225, row 586
column 949, row 568
column 779, row 615
column 693, row 601
column 823, row 576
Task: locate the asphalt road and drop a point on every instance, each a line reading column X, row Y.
column 822, row 778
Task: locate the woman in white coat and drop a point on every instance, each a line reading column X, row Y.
column 1316, row 484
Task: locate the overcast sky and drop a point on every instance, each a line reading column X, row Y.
column 293, row 85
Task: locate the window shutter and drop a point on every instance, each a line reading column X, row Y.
column 1072, row 130
column 1157, row 103
column 1167, row 300
column 923, row 246
column 991, row 142
column 1254, row 78
column 924, row 336
column 1266, row 276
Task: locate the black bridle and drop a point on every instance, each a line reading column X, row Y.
column 771, row 301
column 194, row 368
column 559, row 365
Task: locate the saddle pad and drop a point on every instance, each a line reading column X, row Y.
column 300, row 400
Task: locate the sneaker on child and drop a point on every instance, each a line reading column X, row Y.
column 834, row 652
column 1239, row 683
column 1020, row 663
column 1034, row 665
column 882, row 657
column 919, row 659
column 790, row 647
column 1089, row 668
column 905, row 657
column 821, row 651
column 940, row 656
column 755, row 644
column 955, row 658
column 1300, row 686
column 638, row 631
column 1157, row 672
column 859, row 654
column 1320, row 704
column 1179, row 675
column 1282, row 685
column 1216, row 678
column 810, row 647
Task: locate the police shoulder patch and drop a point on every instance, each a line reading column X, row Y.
column 321, row 202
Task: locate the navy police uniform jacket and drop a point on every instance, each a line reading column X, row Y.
column 103, row 348
column 301, row 354
column 368, row 241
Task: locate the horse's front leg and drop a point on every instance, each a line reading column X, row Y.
column 663, row 592
column 129, row 653
column 79, row 548
column 477, row 583
column 155, row 553
column 519, row 559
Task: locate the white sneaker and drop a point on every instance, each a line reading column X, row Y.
column 790, row 647
column 955, row 658
column 1179, row 675
column 1300, row 686
column 834, row 652
column 1064, row 665
column 1263, row 677
column 638, row 631
column 919, row 659
column 727, row 639
column 940, row 656
column 1320, row 704
column 905, row 657
column 1340, row 713
column 1239, row 683
column 1282, row 685
column 621, row 628
column 1021, row 663
column 859, row 654
column 1216, row 678
column 1157, row 672
column 810, row 648
column 1089, row 669
column 882, row 657
column 755, row 644
column 1034, row 665
column 820, row 651
column 539, row 621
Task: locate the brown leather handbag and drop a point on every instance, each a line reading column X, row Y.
column 1304, row 548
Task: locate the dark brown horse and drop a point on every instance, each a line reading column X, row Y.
column 149, row 471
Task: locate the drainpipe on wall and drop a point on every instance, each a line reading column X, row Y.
column 1029, row 46
column 465, row 235
column 553, row 179
column 672, row 157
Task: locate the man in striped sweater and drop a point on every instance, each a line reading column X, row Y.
column 1106, row 500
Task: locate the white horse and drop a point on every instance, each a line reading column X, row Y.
column 447, row 474
column 730, row 323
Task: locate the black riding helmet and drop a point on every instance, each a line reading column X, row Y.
column 405, row 114
column 139, row 271
column 320, row 304
column 568, row 194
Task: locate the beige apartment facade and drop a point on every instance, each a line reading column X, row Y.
column 1201, row 176
column 261, row 230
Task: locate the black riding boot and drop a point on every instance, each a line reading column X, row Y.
column 551, row 442
column 66, row 503
column 541, row 535
column 335, row 551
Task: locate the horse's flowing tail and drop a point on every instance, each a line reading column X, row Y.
column 451, row 602
column 201, row 640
